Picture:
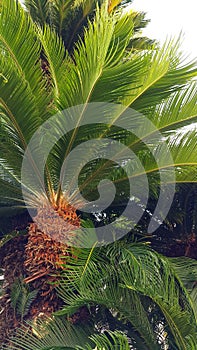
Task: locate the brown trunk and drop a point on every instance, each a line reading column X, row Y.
column 37, row 259
column 12, row 256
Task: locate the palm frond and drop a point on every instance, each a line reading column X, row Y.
column 40, row 10
column 25, row 58
column 67, row 337
column 168, row 73
column 51, row 334
column 54, row 52
column 119, row 281
column 186, row 269
column 110, row 340
column 24, row 101
column 17, row 111
column 22, row 297
column 23, row 98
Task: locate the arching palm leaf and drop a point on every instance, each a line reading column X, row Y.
column 63, row 336
column 132, row 271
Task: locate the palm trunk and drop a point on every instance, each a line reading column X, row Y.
column 36, row 259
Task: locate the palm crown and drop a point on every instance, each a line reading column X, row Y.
column 94, row 64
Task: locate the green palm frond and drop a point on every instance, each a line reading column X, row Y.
column 22, row 297
column 51, row 334
column 177, row 111
column 24, row 101
column 19, row 121
column 54, row 52
column 60, row 335
column 167, row 74
column 186, row 269
column 25, row 58
column 118, row 283
column 109, row 341
column 19, row 118
column 23, row 96
column 164, row 286
column 40, row 10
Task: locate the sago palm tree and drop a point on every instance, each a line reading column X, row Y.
column 98, row 73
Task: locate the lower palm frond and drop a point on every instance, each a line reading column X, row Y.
column 51, row 334
column 60, row 335
column 124, row 280
column 119, row 282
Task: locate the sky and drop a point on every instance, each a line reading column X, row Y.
column 169, row 18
